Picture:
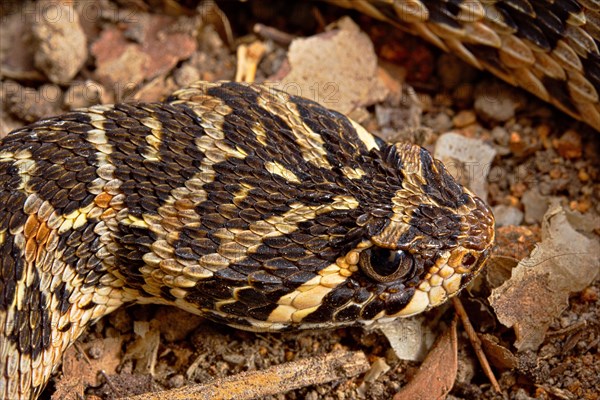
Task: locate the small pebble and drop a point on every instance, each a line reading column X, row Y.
column 518, row 189
column 569, row 145
column 521, row 394
column 583, row 175
column 176, row 381
column 30, row 105
column 440, row 122
column 555, row 173
column 186, row 75
column 464, row 118
column 582, row 206
column 506, row 215
column 516, row 144
column 500, row 135
column 61, row 41
column 590, row 294
column 495, row 102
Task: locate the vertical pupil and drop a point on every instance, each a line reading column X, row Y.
column 385, row 262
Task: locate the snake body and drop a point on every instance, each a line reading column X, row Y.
column 547, row 47
column 257, row 209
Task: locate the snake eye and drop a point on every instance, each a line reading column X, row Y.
column 384, row 265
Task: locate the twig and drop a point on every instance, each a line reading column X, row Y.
column 248, row 58
column 476, row 343
column 574, row 327
column 268, row 32
column 278, row 379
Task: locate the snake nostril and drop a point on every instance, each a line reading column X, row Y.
column 469, row 260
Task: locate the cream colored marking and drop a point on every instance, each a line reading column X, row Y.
column 19, row 155
column 154, row 140
column 105, row 171
column 392, row 233
column 436, row 280
column 96, row 113
column 331, row 269
column 353, row 257
column 424, row 286
column 98, row 136
column 446, row 272
column 261, row 134
column 234, row 244
column 452, row 284
column 443, row 259
column 24, row 164
column 418, row 303
column 132, row 220
column 277, row 169
column 281, row 314
column 310, row 298
column 307, row 297
column 437, row 295
column 333, row 280
column 310, row 143
column 49, row 260
column 299, row 315
column 353, row 173
column 365, row 136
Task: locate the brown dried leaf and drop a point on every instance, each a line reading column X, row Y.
column 80, row 371
column 437, row 374
column 538, row 291
column 124, row 64
column 499, row 356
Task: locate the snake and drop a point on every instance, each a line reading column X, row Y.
column 255, row 208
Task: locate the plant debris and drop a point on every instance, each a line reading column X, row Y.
column 278, row 379
column 566, row 261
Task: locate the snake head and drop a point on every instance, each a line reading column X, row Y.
column 420, row 237
column 437, row 240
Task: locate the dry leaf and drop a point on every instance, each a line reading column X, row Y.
column 410, row 338
column 437, row 374
column 565, row 261
column 467, row 160
column 499, row 356
column 79, row 371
